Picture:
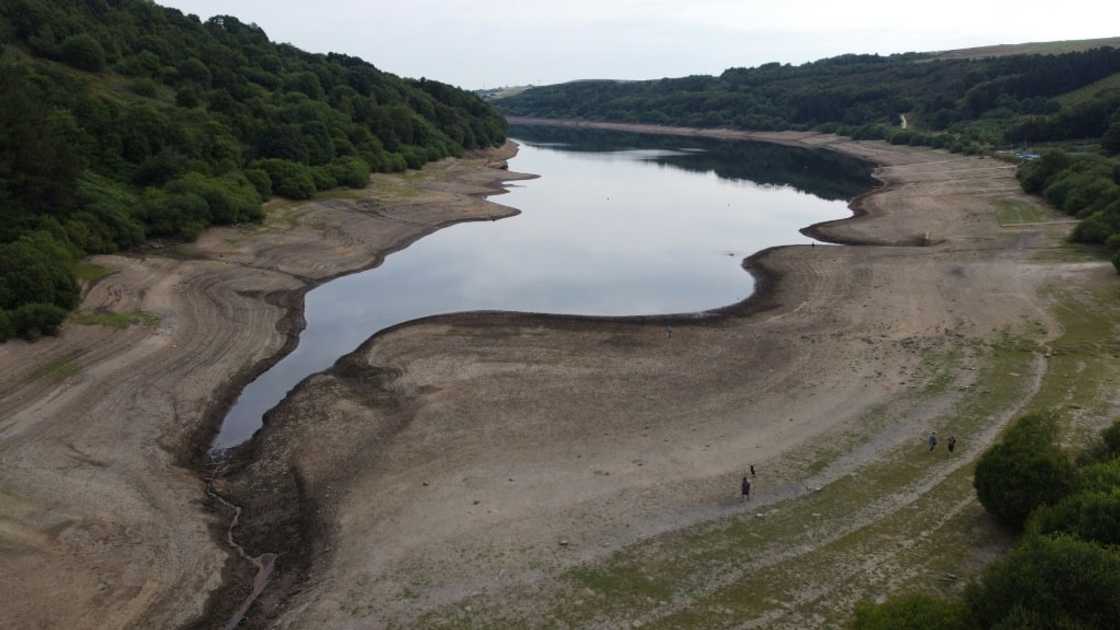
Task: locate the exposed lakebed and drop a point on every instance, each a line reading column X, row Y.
column 617, row 224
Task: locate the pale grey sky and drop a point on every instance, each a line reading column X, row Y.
column 483, row 43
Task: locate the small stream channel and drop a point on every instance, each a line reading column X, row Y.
column 617, row 224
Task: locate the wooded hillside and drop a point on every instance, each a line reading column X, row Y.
column 122, row 120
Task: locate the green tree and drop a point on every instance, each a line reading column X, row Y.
column 1091, row 516
column 1023, row 471
column 83, row 52
column 1050, row 582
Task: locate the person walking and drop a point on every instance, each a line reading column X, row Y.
column 752, row 470
column 746, row 489
column 932, row 440
column 952, row 444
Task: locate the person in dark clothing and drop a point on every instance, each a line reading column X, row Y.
column 952, row 443
column 752, row 470
column 932, row 441
column 746, row 489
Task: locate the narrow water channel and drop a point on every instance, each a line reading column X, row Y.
column 617, row 224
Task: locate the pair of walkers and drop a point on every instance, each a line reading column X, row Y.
column 952, row 444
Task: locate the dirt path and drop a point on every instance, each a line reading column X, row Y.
column 499, row 469
column 104, row 519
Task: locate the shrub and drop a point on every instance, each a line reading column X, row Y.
column 1111, row 435
column 1100, row 477
column 83, row 52
column 144, row 87
column 1093, row 516
column 188, row 98
column 1094, row 229
column 323, row 177
column 7, row 327
column 289, row 179
column 1050, row 582
column 261, row 181
column 1024, row 471
column 351, row 172
column 36, row 270
column 229, row 199
column 35, row 320
column 912, row 612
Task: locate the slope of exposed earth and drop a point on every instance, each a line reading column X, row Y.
column 104, row 521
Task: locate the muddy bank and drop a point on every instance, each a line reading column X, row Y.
column 473, row 456
column 104, row 517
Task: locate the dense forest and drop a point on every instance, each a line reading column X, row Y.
column 987, row 101
column 121, row 120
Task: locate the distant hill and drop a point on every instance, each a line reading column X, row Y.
column 959, row 99
column 122, row 120
column 493, row 94
column 1029, row 48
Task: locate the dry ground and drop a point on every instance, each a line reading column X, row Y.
column 104, row 521
column 497, row 469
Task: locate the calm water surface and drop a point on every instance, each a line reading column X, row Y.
column 616, row 225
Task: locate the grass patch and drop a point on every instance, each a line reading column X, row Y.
column 1070, row 252
column 1016, row 211
column 1109, row 84
column 89, row 272
column 120, row 321
column 57, row 370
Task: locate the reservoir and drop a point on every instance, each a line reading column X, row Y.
column 616, row 224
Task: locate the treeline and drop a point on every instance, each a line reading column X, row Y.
column 1086, row 186
column 121, row 120
column 982, row 101
column 1065, row 570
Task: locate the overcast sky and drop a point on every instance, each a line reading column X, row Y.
column 483, row 43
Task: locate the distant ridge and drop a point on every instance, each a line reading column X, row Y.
column 1029, row 48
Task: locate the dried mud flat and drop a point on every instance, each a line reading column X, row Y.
column 104, row 517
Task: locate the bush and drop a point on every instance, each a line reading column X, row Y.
column 229, row 199
column 1094, row 229
column 1111, row 435
column 351, row 172
column 1093, row 516
column 7, row 327
column 36, row 270
column 83, row 52
column 144, row 87
column 323, row 177
column 1100, row 477
column 35, row 320
column 261, row 181
column 1050, row 582
column 912, row 612
column 289, row 179
column 1024, row 471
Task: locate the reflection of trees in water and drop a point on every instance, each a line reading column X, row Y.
column 823, row 173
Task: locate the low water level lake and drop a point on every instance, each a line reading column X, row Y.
column 617, row 224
